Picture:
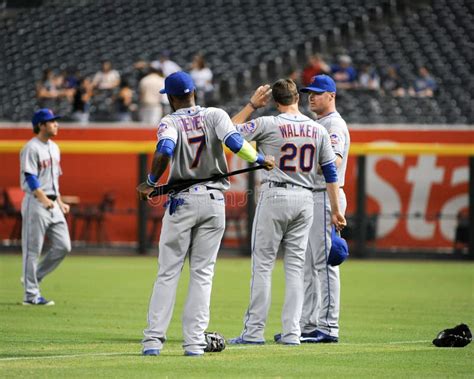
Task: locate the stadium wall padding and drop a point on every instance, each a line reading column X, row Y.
column 424, row 187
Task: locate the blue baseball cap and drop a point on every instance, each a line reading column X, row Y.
column 179, row 83
column 321, row 83
column 43, row 115
column 339, row 249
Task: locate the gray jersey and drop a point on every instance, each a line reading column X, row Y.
column 340, row 141
column 198, row 134
column 298, row 144
column 43, row 160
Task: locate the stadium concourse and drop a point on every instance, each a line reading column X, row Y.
column 246, row 42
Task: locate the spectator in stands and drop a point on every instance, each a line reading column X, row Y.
column 107, row 78
column 368, row 77
column 81, row 100
column 165, row 64
column 424, row 85
column 46, row 91
column 124, row 102
column 140, row 69
column 316, row 66
column 202, row 77
column 295, row 75
column 344, row 74
column 65, row 83
column 167, row 67
column 392, row 84
column 151, row 110
column 71, row 78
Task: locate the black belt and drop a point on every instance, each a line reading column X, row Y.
column 52, row 197
column 211, row 195
column 286, row 185
column 189, row 189
column 322, row 189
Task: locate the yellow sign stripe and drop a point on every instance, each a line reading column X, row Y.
column 136, row 147
column 379, row 148
column 88, row 147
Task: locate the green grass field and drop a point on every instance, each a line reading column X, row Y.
column 390, row 312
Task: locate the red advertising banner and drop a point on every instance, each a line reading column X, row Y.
column 417, row 198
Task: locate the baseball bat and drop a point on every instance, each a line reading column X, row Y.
column 179, row 186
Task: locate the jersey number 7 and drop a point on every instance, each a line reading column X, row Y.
column 201, row 141
column 304, row 156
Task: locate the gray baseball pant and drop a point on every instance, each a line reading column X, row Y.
column 195, row 229
column 321, row 281
column 283, row 217
column 39, row 222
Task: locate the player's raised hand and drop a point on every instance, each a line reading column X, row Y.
column 261, row 96
column 144, row 190
column 269, row 162
column 338, row 220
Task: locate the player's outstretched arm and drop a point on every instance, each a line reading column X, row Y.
column 259, row 99
column 244, row 150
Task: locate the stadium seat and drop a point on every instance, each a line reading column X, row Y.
column 240, row 36
column 12, row 199
column 93, row 216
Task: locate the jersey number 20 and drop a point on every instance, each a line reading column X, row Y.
column 304, row 156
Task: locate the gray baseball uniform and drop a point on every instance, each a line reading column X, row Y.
column 43, row 160
column 195, row 228
column 322, row 283
column 284, row 215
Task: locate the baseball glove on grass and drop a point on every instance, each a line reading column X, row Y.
column 459, row 336
column 215, row 342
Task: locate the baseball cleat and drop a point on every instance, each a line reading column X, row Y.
column 240, row 341
column 277, row 338
column 39, row 301
column 192, row 354
column 151, row 352
column 317, row 337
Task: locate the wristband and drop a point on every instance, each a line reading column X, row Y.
column 260, row 159
column 151, row 180
column 253, row 105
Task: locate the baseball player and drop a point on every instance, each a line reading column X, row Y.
column 190, row 138
column 285, row 207
column 320, row 317
column 42, row 209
